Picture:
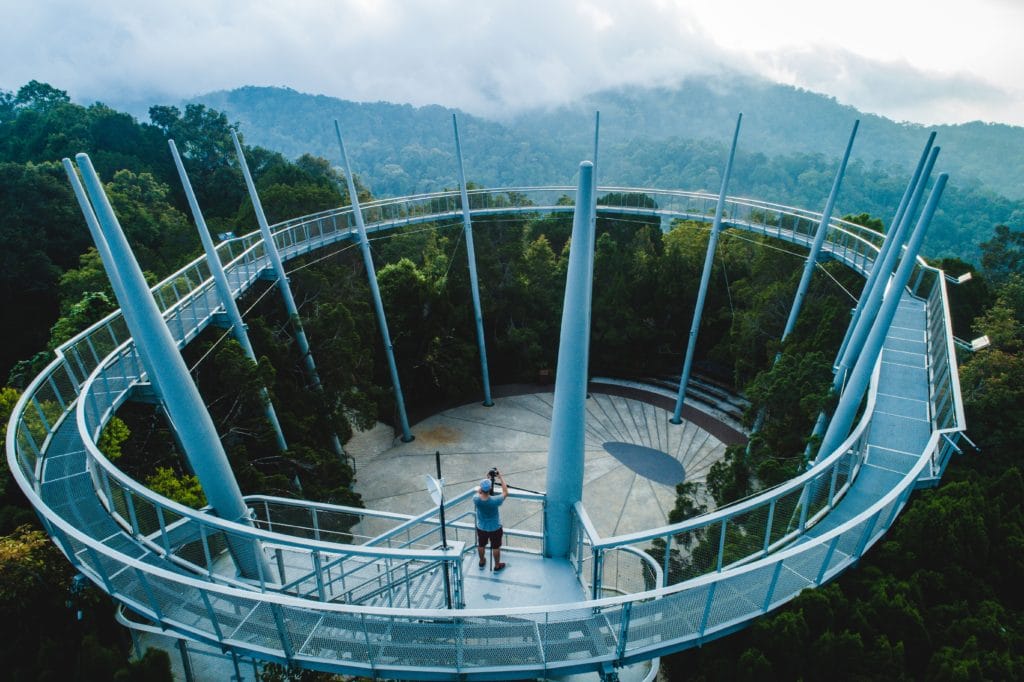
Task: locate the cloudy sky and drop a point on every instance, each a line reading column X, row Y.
column 928, row 61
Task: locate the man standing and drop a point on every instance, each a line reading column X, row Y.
column 488, row 520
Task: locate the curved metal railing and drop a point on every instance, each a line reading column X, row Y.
column 161, row 561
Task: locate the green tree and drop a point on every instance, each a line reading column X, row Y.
column 991, row 379
column 203, row 137
column 92, row 307
column 114, row 434
column 790, row 394
column 184, row 489
column 40, row 96
column 88, row 277
column 161, row 236
column 41, row 234
column 1003, row 254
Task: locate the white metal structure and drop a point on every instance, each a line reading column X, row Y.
column 342, row 603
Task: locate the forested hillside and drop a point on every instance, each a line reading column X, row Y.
column 788, row 149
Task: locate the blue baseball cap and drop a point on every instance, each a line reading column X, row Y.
column 485, row 485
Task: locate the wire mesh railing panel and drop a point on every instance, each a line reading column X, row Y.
column 744, row 535
column 844, row 469
column 884, row 519
column 64, row 386
column 147, row 522
column 626, row 572
column 260, row 627
column 739, row 597
column 818, row 495
column 295, row 625
column 337, row 637
column 421, row 643
column 177, row 603
column 692, row 554
column 338, row 527
column 675, row 617
column 577, row 634
column 27, row 450
column 131, row 586
column 500, row 641
column 786, row 516
column 225, row 612
column 119, row 504
column 41, row 416
column 89, row 348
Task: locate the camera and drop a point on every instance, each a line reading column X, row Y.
column 492, row 473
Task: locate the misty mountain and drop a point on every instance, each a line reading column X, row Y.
column 778, row 119
column 789, row 146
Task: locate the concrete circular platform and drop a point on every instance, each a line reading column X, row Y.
column 634, row 457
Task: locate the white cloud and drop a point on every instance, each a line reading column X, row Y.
column 938, row 61
column 895, row 89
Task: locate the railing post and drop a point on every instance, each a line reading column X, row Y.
column 580, row 544
column 206, row 549
column 318, row 571
column 707, row 610
column 805, row 503
column 869, row 528
column 163, row 529
column 281, row 572
column 186, row 663
column 97, row 566
column 832, row 484
column 133, row 521
column 768, row 526
column 149, row 594
column 214, row 621
column 665, row 561
column 771, row 587
column 369, row 645
column 828, row 557
column 721, row 546
column 620, row 647
column 283, row 633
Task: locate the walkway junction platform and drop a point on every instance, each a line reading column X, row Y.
column 373, row 592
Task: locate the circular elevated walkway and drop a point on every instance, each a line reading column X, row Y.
column 162, row 561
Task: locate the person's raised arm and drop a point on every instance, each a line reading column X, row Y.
column 504, row 486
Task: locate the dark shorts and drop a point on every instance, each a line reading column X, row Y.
column 492, row 536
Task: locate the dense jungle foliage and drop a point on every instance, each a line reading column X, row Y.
column 935, row 600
